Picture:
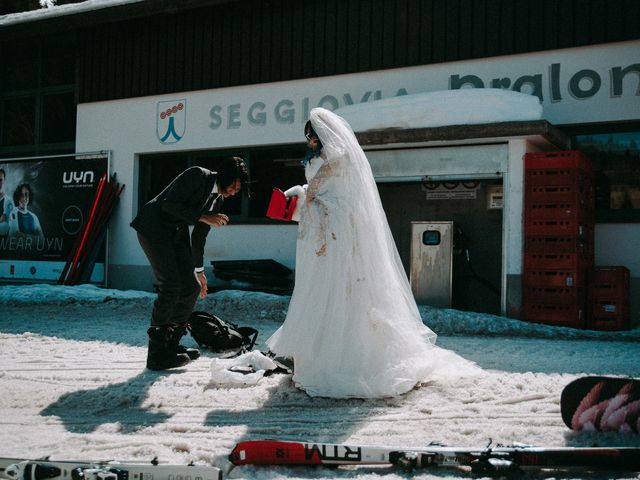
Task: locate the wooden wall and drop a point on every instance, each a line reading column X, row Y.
column 253, row 41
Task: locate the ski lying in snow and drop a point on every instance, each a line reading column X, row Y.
column 597, row 403
column 20, row 469
column 487, row 460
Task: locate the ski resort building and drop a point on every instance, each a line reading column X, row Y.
column 143, row 88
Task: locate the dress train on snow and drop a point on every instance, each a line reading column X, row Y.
column 353, row 328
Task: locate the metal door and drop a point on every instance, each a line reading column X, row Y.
column 432, row 262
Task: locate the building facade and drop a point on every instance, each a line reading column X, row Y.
column 240, row 77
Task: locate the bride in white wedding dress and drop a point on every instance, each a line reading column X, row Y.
column 353, row 328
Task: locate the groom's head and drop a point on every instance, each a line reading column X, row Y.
column 232, row 174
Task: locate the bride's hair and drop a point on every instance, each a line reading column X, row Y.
column 308, row 129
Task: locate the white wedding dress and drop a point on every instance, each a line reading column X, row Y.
column 353, row 328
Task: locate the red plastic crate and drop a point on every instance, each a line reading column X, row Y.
column 557, row 176
column 582, row 194
column 610, row 284
column 606, row 291
column 617, row 275
column 556, row 261
column 556, row 227
column 557, row 211
column 555, row 296
column 553, row 314
column 562, row 159
column 610, row 323
column 610, row 302
column 556, row 278
column 560, row 244
column 614, row 308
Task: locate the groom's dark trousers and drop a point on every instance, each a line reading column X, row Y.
column 163, row 232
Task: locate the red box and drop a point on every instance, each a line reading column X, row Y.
column 281, row 207
column 573, row 159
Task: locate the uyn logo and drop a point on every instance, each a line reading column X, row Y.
column 171, row 120
column 77, row 178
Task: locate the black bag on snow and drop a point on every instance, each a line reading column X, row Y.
column 217, row 335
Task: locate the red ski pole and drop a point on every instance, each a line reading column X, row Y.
column 86, row 228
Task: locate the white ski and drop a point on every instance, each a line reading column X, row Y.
column 45, row 469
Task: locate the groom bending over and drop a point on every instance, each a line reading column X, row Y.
column 195, row 198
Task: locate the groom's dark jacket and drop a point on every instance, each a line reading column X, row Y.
column 167, row 217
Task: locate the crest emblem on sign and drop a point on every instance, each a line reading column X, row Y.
column 171, row 120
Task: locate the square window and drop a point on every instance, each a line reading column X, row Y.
column 58, row 118
column 18, row 121
column 20, row 74
column 615, row 157
column 58, row 70
column 431, row 238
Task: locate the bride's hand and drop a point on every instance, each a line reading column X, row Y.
column 296, row 191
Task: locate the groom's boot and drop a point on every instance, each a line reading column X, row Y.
column 162, row 353
column 180, row 331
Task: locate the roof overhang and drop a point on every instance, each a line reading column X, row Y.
column 540, row 133
column 68, row 19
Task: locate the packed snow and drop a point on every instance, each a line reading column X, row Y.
column 468, row 106
column 74, row 386
column 50, row 9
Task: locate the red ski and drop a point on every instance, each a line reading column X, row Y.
column 486, row 460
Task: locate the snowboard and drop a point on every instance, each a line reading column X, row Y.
column 602, row 404
column 45, row 469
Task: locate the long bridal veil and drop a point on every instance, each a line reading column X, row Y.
column 368, row 234
column 353, row 328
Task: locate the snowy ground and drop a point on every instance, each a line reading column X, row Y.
column 74, row 386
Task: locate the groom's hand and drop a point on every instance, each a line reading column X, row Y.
column 215, row 220
column 202, row 280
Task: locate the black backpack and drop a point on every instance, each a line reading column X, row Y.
column 217, row 335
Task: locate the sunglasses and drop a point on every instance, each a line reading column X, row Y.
column 308, row 136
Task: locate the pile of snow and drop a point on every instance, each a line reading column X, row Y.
column 251, row 307
column 59, row 294
column 449, row 107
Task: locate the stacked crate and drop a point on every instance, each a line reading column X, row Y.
column 559, row 204
column 610, row 299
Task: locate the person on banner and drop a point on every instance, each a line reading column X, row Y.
column 6, row 205
column 193, row 198
column 22, row 221
column 353, row 328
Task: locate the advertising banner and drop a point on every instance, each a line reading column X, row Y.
column 44, row 204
